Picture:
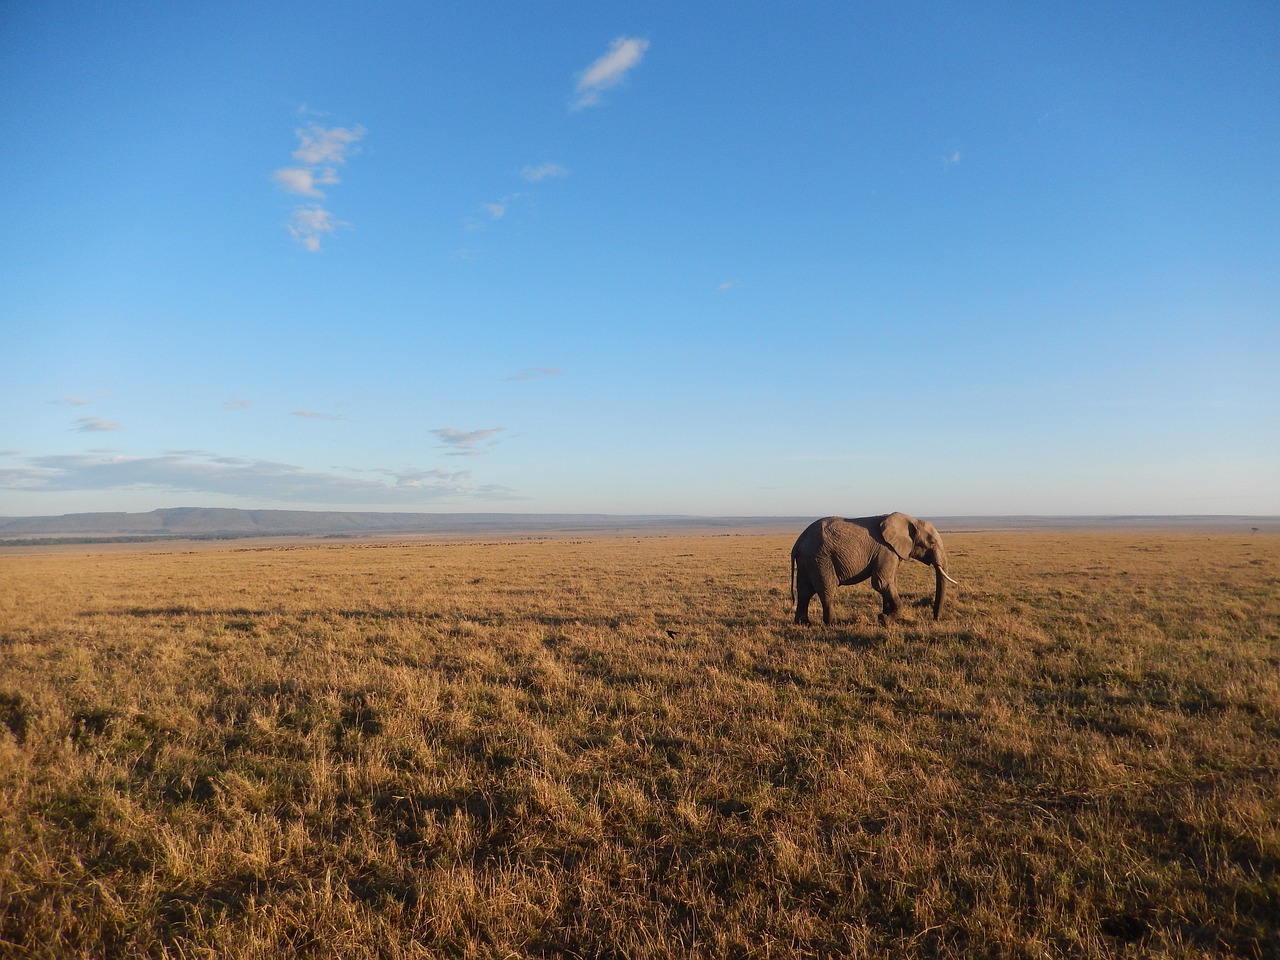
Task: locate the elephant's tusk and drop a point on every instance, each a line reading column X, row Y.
column 944, row 573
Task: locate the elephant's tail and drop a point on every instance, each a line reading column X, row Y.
column 793, row 576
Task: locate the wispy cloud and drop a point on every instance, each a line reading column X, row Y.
column 729, row 285
column 536, row 373
column 96, row 425
column 952, row 158
column 240, row 477
column 544, row 171
column 308, row 225
column 237, row 404
column 304, row 182
column 625, row 53
column 315, row 415
column 462, row 443
column 496, row 210
column 413, row 477
column 320, row 151
column 316, row 145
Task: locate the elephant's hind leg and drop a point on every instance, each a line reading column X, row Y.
column 804, row 593
column 826, row 588
column 826, row 602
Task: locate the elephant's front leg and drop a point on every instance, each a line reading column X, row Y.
column 887, row 587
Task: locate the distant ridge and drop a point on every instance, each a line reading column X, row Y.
column 1208, row 523
column 217, row 523
column 214, row 523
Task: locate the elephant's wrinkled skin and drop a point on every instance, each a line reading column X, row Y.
column 834, row 551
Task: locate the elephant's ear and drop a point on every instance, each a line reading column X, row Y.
column 896, row 530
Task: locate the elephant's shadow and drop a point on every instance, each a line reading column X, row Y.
column 863, row 637
column 863, row 630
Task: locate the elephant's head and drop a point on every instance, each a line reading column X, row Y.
column 913, row 539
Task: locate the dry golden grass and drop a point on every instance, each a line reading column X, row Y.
column 623, row 748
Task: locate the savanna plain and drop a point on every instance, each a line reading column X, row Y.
column 622, row 747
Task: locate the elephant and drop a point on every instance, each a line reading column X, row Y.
column 835, row 551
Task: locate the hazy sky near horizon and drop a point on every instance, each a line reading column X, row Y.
column 735, row 259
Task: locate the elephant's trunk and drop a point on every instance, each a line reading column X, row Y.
column 940, row 590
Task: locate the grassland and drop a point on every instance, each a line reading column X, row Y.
column 622, row 748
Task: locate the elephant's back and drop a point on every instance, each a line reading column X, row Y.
column 812, row 537
column 831, row 532
column 845, row 525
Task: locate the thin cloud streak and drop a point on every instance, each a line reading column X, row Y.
column 243, row 478
column 625, row 53
column 462, row 443
column 545, row 171
column 96, row 425
column 536, row 373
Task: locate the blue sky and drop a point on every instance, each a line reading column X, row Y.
column 723, row 258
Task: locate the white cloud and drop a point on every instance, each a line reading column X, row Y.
column 316, row 145
column 952, row 158
column 314, row 415
column 320, row 150
column 462, row 443
column 309, row 224
column 306, row 182
column 729, row 285
column 498, row 209
column 237, row 404
column 96, row 425
column 545, row 171
column 608, row 71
